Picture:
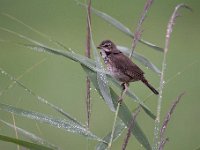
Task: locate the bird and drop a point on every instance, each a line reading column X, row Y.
column 121, row 67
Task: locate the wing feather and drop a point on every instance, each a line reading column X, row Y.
column 124, row 64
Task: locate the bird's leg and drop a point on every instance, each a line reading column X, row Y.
column 124, row 89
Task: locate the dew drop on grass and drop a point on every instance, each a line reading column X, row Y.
column 3, row 72
column 72, row 51
column 11, row 78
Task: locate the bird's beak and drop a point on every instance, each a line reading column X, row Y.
column 98, row 47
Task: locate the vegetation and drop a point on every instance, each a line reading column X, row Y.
column 96, row 77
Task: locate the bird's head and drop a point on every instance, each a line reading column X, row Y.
column 107, row 46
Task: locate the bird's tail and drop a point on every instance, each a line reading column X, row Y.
column 150, row 86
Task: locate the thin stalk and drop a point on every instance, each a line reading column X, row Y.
column 162, row 82
column 116, row 114
column 28, row 70
column 14, row 125
column 87, row 54
column 157, row 121
column 166, row 122
column 138, row 31
column 113, row 128
column 131, row 126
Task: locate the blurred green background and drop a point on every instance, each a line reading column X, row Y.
column 62, row 81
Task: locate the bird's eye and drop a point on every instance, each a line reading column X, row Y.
column 108, row 45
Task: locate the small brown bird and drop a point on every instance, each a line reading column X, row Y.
column 121, row 67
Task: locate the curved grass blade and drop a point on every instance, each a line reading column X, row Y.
column 21, row 75
column 43, row 48
column 34, row 30
column 135, row 98
column 124, row 113
column 119, row 26
column 69, row 54
column 58, row 123
column 90, row 64
column 167, row 119
column 23, row 143
column 130, row 127
column 144, row 61
column 21, row 36
column 102, row 79
column 126, row 116
column 197, row 148
column 119, row 128
column 149, row 44
column 168, row 34
column 31, row 136
column 39, row 98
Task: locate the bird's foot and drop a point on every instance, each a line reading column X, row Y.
column 120, row 101
column 123, row 86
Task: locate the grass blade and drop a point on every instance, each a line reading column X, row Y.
column 88, row 54
column 124, row 113
column 119, row 26
column 20, row 76
column 166, row 121
column 90, row 64
column 21, row 36
column 102, row 80
column 144, row 61
column 169, row 30
column 162, row 143
column 126, row 116
column 39, row 98
column 119, row 128
column 23, row 143
column 13, row 18
column 101, row 77
column 131, row 126
column 168, row 115
column 31, row 136
column 135, row 98
column 58, row 123
column 198, row 148
column 138, row 31
column 68, row 54
column 71, row 55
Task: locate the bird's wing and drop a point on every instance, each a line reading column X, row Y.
column 123, row 63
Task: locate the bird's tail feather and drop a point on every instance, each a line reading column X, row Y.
column 150, row 86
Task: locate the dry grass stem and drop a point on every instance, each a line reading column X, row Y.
column 162, row 81
column 87, row 53
column 132, row 123
column 138, row 31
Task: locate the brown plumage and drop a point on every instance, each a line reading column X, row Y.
column 121, row 67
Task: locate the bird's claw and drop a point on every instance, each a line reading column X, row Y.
column 119, row 101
